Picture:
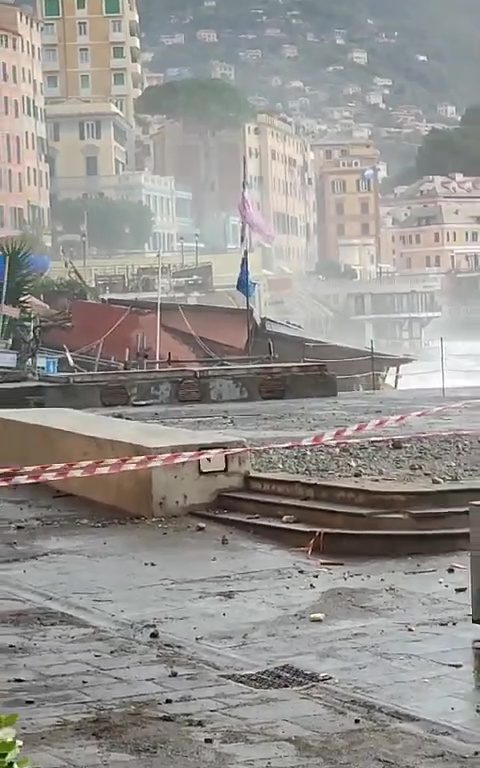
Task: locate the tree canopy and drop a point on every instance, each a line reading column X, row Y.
column 112, row 224
column 455, row 150
column 207, row 103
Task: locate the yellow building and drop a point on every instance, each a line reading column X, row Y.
column 91, row 51
column 348, row 210
column 281, row 186
column 433, row 225
column 87, row 144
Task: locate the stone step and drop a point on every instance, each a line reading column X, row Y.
column 346, row 542
column 365, row 493
column 323, row 514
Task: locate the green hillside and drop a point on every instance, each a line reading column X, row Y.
column 394, row 32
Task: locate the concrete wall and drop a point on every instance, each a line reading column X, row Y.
column 222, row 384
column 44, row 436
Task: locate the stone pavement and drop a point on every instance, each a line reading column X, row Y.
column 118, row 640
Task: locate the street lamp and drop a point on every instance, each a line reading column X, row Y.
column 182, row 250
column 84, row 242
column 159, row 310
column 197, row 236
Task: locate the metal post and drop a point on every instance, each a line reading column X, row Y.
column 196, row 248
column 244, row 247
column 182, row 250
column 372, row 364
column 159, row 311
column 6, row 267
column 442, row 363
column 84, row 239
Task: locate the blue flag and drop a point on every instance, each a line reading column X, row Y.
column 245, row 286
column 2, row 267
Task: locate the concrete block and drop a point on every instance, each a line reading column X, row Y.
column 55, row 435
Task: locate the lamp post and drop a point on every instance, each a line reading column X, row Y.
column 84, row 242
column 159, row 310
column 197, row 236
column 182, row 250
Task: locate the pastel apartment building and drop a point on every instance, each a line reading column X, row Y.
column 281, row 185
column 91, row 51
column 433, row 225
column 24, row 173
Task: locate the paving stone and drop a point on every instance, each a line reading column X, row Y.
column 266, row 750
column 277, row 710
column 114, row 691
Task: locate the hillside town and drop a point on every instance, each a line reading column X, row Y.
column 97, row 178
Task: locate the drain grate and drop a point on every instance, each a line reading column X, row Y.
column 285, row 676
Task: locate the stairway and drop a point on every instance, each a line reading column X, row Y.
column 350, row 518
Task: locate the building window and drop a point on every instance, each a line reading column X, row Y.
column 90, row 129
column 84, row 56
column 341, row 230
column 454, row 237
column 119, row 78
column 5, row 105
column 364, row 185
column 436, row 237
column 49, row 29
column 16, row 108
column 437, row 260
column 328, row 154
column 54, row 131
column 50, row 55
column 82, row 29
column 364, row 208
column 81, row 5
column 85, row 82
column 116, row 25
column 3, row 41
column 51, row 82
column 51, row 8
column 410, row 239
column 17, row 146
column 339, row 186
column 409, row 263
column 428, row 261
column 365, row 228
column 91, row 166
column 118, row 52
column 340, row 209
column 418, row 239
column 113, row 7
column 474, row 237
column 14, row 74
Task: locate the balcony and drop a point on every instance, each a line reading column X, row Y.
column 134, row 41
column 118, row 63
column 119, row 90
column 117, row 37
column 132, row 11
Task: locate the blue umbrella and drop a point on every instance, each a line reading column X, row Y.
column 40, row 263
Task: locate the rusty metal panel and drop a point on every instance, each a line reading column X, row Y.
column 189, row 391
column 272, row 387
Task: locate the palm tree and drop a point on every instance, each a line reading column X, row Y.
column 16, row 275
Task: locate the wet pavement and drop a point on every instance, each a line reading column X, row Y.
column 278, row 420
column 119, row 638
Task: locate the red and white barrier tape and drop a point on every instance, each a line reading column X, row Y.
column 45, row 473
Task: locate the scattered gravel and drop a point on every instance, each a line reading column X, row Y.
column 434, row 460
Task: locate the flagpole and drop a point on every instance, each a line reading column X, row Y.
column 244, row 245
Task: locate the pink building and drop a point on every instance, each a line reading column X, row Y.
column 24, row 175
